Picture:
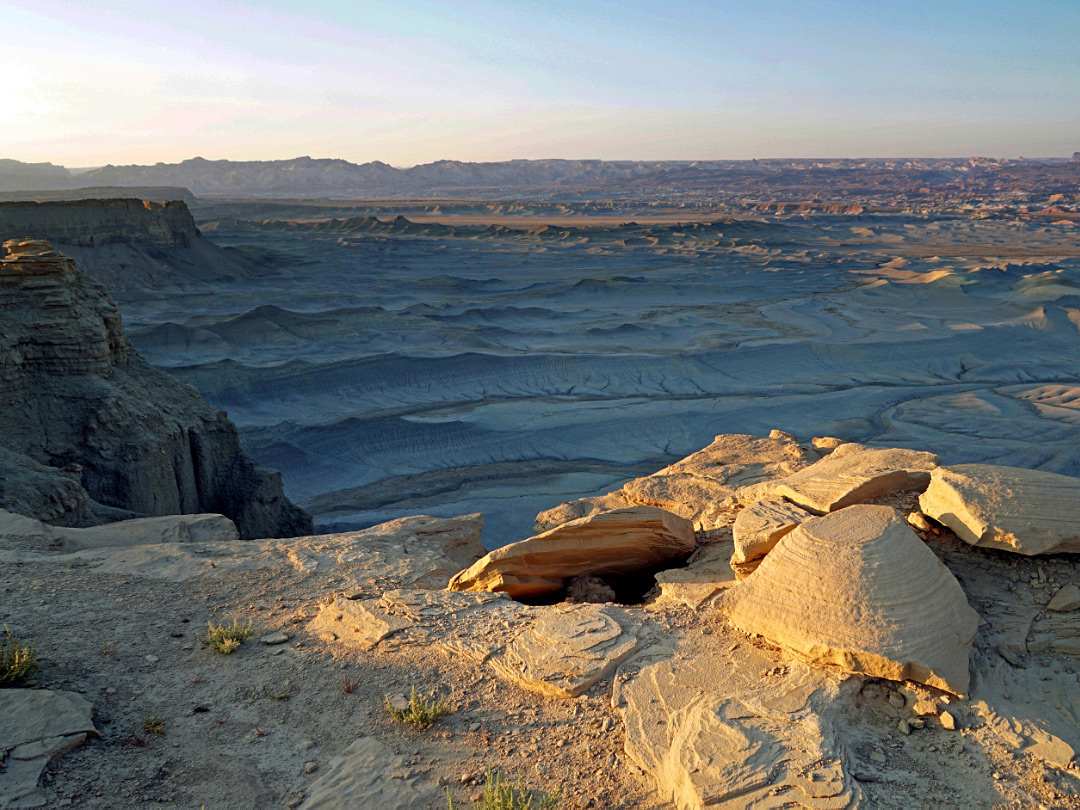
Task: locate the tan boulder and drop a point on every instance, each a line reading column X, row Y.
column 699, row 487
column 859, row 590
column 1066, row 599
column 1008, row 508
column 758, row 529
column 853, row 473
column 583, row 507
column 623, row 541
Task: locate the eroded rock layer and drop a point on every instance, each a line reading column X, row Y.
column 90, row 432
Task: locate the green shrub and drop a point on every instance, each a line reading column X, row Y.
column 501, row 795
column 226, row 639
column 420, row 712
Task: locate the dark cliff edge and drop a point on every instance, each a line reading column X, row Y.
column 91, row 433
column 127, row 243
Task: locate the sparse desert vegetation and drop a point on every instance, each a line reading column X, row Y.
column 18, row 659
column 226, row 639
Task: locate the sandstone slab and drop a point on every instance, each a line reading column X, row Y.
column 1066, row 599
column 567, row 649
column 18, row 531
column 36, row 726
column 1007, row 508
column 369, row 774
column 853, row 474
column 858, row 590
column 417, row 551
column 623, row 541
column 712, row 740
column 758, row 528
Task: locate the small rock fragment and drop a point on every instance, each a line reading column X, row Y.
column 1009, row 653
column 274, row 638
column 918, row 521
column 947, row 721
column 1067, row 598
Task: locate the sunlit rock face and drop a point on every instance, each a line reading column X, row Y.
column 90, row 432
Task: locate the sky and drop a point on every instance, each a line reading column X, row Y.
column 411, row 81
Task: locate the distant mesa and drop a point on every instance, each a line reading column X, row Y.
column 771, row 179
column 127, row 243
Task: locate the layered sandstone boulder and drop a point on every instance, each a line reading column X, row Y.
column 1007, row 508
column 623, row 541
column 853, row 473
column 858, row 590
column 90, row 432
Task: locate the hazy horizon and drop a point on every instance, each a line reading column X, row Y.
column 129, row 83
column 233, row 159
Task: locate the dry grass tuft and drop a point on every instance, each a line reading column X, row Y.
column 18, row 661
column 420, row 712
column 226, row 639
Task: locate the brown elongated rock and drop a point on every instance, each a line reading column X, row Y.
column 853, row 473
column 758, row 529
column 622, row 541
column 1008, row 508
column 859, row 590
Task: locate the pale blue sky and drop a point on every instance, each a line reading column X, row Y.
column 408, row 81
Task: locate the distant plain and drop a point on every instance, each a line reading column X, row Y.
column 486, row 359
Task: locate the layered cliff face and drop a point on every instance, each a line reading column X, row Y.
column 127, row 243
column 90, row 432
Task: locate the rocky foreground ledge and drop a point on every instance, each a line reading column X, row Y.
column 829, row 625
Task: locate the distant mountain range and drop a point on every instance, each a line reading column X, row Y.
column 568, row 179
